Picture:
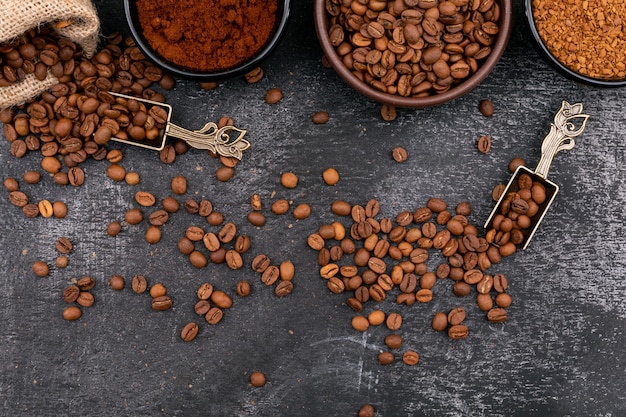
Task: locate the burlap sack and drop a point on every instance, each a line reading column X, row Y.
column 19, row 16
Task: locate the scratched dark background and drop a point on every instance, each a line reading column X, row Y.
column 561, row 353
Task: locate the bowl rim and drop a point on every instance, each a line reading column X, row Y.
column 563, row 69
column 233, row 72
column 321, row 24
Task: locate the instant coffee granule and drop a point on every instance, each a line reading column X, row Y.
column 587, row 36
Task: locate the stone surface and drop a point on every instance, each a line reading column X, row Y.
column 561, row 352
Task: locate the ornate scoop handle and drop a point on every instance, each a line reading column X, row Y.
column 213, row 139
column 569, row 122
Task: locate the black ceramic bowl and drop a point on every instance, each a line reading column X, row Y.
column 563, row 69
column 244, row 67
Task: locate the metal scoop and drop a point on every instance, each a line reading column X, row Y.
column 210, row 137
column 569, row 122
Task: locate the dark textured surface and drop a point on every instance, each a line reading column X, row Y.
column 561, row 353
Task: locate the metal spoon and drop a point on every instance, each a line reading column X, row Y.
column 210, row 137
column 569, row 122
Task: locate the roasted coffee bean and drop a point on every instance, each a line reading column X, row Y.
column 224, row 173
column 18, row 198
column 133, row 216
column 457, row 332
column 393, row 341
column 198, row 259
column 114, row 228
column 256, row 218
column 399, row 154
column 158, row 218
column 85, row 299
column 179, row 185
column 71, row 313
column 341, row 208
column 273, row 96
column 440, row 321
column 257, row 379
column 71, row 293
column 388, row 113
column 189, row 332
column 145, row 198
column 497, row 315
column 485, row 107
column 289, row 180
column 243, row 288
column 280, row 206
column 366, row 410
column 456, row 316
column 202, row 307
column 139, row 284
column 254, row 76
column 393, row 321
column 32, row 177
column 360, row 323
column 385, row 358
column 153, row 235
column 161, row 303
column 484, row 144
column 320, row 118
column 233, row 259
column 116, row 172
column 40, row 268
column 260, row 263
column 117, row 282
column 503, row 300
column 410, row 358
column 61, row 261
column 64, row 245
column 170, row 204
column 283, row 288
column 286, row 270
column 221, row 299
column 30, row 210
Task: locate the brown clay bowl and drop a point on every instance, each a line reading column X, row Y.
column 322, row 19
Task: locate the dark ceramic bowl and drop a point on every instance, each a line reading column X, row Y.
column 498, row 47
column 244, row 67
column 564, row 70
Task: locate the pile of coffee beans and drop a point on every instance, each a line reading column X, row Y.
column 376, row 258
column 517, row 213
column 413, row 48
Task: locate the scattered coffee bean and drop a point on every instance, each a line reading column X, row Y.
column 257, row 379
column 410, row 358
column 273, row 95
column 189, row 332
column 280, row 207
column 385, row 358
column 117, row 282
column 320, row 118
column 71, row 313
column 289, row 180
column 330, row 176
column 515, row 163
column 139, row 284
column 301, row 211
column 388, row 112
column 161, row 303
column 64, row 245
column 366, row 410
column 484, row 144
column 40, row 268
column 179, row 185
column 485, row 107
column 399, row 154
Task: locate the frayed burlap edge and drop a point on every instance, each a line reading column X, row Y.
column 20, row 16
